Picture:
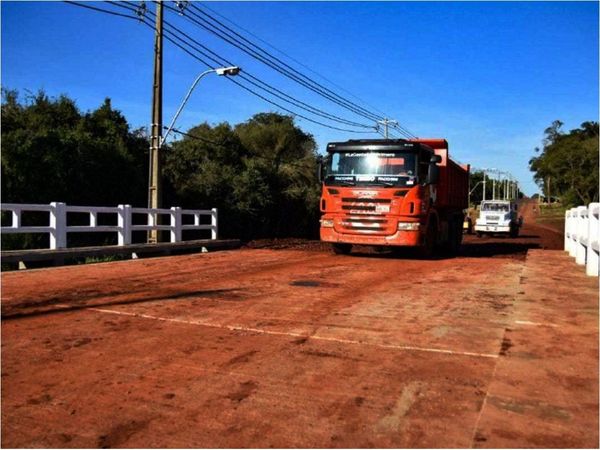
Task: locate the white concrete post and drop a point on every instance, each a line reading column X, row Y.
column 573, row 232
column 58, row 225
column 582, row 230
column 16, row 219
column 567, row 230
column 93, row 219
column 124, row 224
column 176, row 224
column 214, row 223
column 593, row 250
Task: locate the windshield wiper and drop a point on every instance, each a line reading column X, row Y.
column 383, row 183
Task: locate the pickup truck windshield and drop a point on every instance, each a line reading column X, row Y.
column 497, row 207
column 372, row 168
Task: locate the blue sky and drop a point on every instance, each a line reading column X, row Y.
column 487, row 76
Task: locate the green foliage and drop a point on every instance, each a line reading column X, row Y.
column 260, row 174
column 568, row 164
column 53, row 152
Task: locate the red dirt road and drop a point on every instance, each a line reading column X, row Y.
column 301, row 348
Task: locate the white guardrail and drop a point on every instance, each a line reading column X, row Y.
column 582, row 236
column 59, row 227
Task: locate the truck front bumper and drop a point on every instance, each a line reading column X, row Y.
column 492, row 228
column 399, row 238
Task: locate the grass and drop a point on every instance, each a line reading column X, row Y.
column 552, row 212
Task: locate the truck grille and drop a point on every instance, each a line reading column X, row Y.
column 366, row 205
column 492, row 219
column 364, row 224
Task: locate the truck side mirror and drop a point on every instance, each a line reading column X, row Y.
column 433, row 173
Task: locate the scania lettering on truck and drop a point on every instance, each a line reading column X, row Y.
column 403, row 193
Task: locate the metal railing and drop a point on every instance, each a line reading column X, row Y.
column 582, row 236
column 58, row 225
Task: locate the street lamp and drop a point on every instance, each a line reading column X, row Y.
column 154, row 189
column 221, row 71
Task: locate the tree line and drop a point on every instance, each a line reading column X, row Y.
column 567, row 164
column 261, row 173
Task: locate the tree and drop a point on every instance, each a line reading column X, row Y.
column 261, row 174
column 53, row 152
column 569, row 164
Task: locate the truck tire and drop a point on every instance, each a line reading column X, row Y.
column 426, row 250
column 452, row 245
column 514, row 231
column 341, row 249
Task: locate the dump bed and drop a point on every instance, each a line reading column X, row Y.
column 453, row 186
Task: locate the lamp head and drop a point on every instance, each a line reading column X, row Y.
column 232, row 70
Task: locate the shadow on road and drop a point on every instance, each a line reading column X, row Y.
column 67, row 304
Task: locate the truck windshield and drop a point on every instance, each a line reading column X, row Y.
column 371, row 168
column 497, row 207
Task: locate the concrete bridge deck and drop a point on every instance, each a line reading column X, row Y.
column 300, row 348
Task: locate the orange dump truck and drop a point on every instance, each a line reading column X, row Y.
column 392, row 193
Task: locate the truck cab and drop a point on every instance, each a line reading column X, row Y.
column 403, row 193
column 498, row 216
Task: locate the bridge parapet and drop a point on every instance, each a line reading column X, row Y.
column 582, row 236
column 58, row 224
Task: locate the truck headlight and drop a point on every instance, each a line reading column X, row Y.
column 408, row 226
column 327, row 223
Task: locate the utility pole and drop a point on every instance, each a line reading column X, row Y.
column 385, row 123
column 484, row 185
column 155, row 169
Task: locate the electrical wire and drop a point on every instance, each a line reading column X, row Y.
column 347, row 103
column 94, row 8
column 205, row 6
column 236, row 43
column 139, row 19
column 222, row 61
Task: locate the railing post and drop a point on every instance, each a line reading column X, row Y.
column 593, row 250
column 16, row 219
column 567, row 230
column 93, row 219
column 175, row 224
column 124, row 224
column 58, row 225
column 573, row 232
column 582, row 230
column 214, row 221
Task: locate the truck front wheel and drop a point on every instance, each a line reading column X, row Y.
column 341, row 249
column 426, row 250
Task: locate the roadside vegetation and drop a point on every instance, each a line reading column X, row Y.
column 261, row 173
column 567, row 165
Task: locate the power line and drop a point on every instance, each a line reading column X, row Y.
column 293, row 113
column 205, row 6
column 346, row 103
column 289, row 74
column 208, row 141
column 114, row 13
column 220, row 60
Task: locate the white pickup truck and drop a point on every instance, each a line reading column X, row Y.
column 498, row 216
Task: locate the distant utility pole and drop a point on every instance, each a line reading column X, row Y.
column 155, row 169
column 385, row 123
